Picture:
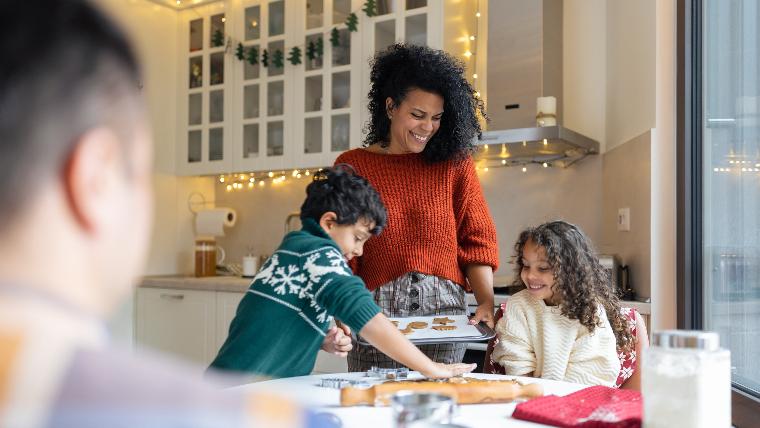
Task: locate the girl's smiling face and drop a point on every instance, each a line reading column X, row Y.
column 414, row 121
column 537, row 274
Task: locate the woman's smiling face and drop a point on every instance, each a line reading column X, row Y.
column 414, row 121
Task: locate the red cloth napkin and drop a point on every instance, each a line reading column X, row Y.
column 593, row 407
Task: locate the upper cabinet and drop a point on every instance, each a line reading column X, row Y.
column 204, row 91
column 264, row 113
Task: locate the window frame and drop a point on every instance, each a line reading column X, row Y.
column 689, row 117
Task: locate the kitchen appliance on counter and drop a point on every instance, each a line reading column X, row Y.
column 620, row 276
column 611, row 264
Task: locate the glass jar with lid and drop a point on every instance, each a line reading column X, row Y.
column 207, row 256
column 686, row 381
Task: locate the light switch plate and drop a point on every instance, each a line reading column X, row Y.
column 624, row 219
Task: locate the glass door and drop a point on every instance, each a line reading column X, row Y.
column 720, row 76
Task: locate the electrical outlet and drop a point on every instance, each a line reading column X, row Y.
column 624, row 219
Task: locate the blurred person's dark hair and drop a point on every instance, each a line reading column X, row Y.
column 65, row 69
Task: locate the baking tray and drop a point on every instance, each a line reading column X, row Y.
column 427, row 336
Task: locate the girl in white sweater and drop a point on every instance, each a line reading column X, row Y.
column 567, row 324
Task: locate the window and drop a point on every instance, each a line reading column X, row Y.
column 719, row 184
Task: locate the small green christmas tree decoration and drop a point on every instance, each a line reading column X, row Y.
column 295, row 55
column 370, row 8
column 320, row 47
column 240, row 52
column 265, row 58
column 352, row 22
column 278, row 58
column 218, row 38
column 252, row 56
column 311, row 50
column 335, row 37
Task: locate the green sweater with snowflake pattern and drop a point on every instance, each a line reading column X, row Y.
column 282, row 321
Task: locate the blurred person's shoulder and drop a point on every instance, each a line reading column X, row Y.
column 100, row 387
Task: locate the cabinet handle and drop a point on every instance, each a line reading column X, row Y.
column 173, row 296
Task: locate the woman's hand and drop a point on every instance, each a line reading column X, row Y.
column 480, row 278
column 338, row 341
column 484, row 313
column 443, row 371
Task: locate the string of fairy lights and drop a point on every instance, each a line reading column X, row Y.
column 260, row 179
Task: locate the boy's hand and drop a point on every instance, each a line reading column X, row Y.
column 442, row 371
column 337, row 342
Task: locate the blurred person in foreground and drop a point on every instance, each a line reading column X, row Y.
column 75, row 216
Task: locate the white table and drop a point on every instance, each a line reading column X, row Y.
column 306, row 390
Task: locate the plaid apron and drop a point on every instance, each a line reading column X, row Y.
column 414, row 294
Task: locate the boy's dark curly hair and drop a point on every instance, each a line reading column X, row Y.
column 579, row 279
column 350, row 196
column 401, row 68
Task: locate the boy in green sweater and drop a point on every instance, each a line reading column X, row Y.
column 282, row 321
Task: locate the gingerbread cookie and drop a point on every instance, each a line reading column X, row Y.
column 417, row 325
column 407, row 330
column 394, row 322
column 444, row 320
column 444, row 327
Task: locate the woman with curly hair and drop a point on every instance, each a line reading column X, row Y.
column 567, row 324
column 440, row 238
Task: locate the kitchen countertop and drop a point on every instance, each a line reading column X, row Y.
column 236, row 284
column 233, row 284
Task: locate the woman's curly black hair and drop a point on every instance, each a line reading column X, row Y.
column 579, row 278
column 401, row 68
column 350, row 196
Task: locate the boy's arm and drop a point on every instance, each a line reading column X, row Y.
column 384, row 336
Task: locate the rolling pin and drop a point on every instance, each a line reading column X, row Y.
column 469, row 392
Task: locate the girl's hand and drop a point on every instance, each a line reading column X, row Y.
column 337, row 342
column 484, row 313
column 443, row 371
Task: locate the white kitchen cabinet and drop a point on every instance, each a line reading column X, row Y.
column 189, row 324
column 226, row 307
column 178, row 322
column 237, row 117
column 204, row 92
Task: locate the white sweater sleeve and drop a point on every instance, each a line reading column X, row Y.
column 593, row 359
column 514, row 350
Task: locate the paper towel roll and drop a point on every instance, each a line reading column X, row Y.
column 211, row 222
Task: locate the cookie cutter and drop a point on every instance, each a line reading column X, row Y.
column 339, row 383
column 388, row 373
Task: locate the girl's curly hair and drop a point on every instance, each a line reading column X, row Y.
column 579, row 278
column 401, row 68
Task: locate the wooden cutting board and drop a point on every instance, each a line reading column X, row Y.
column 464, row 390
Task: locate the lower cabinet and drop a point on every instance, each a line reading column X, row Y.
column 226, row 307
column 188, row 324
column 193, row 325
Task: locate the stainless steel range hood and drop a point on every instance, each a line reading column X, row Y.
column 524, row 51
column 553, row 145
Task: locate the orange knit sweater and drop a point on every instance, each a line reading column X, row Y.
column 438, row 220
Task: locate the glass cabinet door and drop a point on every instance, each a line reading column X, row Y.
column 203, row 97
column 262, row 103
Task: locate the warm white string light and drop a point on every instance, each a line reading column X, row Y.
column 238, row 181
column 472, row 54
